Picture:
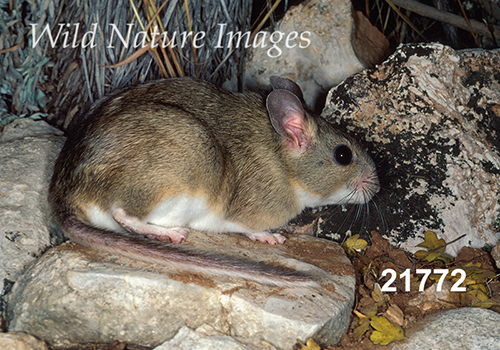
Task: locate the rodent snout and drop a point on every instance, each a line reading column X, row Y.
column 367, row 186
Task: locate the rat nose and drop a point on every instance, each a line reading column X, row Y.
column 368, row 184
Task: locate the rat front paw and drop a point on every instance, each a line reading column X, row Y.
column 266, row 237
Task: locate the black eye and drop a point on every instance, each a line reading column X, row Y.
column 342, row 155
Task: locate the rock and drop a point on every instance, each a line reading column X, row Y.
column 20, row 341
column 25, row 128
column 466, row 328
column 432, row 299
column 74, row 295
column 495, row 253
column 476, row 256
column 28, row 150
column 430, row 116
column 330, row 55
column 187, row 339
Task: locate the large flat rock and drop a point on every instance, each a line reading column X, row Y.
column 75, row 295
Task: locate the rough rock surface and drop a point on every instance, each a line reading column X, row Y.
column 495, row 253
column 20, row 341
column 328, row 59
column 433, row 298
column 431, row 118
column 459, row 329
column 75, row 295
column 28, row 150
column 188, row 339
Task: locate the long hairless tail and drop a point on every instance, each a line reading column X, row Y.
column 139, row 248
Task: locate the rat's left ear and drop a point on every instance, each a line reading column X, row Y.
column 280, row 83
column 289, row 119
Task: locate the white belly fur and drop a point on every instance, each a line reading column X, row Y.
column 193, row 213
column 103, row 220
column 182, row 211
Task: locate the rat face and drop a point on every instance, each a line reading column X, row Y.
column 334, row 169
column 327, row 166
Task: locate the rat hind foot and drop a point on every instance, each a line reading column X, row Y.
column 135, row 225
column 266, row 237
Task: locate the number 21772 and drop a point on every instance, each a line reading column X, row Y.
column 387, row 287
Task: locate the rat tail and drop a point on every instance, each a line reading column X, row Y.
column 142, row 249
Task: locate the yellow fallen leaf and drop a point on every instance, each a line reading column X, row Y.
column 364, row 325
column 310, row 345
column 479, row 286
column 385, row 332
column 471, row 266
column 485, row 304
column 354, row 244
column 420, row 254
column 436, row 278
column 467, row 282
column 372, row 310
column 377, row 294
column 475, row 274
column 431, row 242
column 435, row 249
column 477, row 297
column 433, row 256
column 481, row 275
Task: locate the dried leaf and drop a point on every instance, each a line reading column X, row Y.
column 395, row 315
column 359, row 331
column 377, row 294
column 476, row 273
column 477, row 297
column 385, row 332
column 435, row 248
column 371, row 311
column 480, row 287
column 431, row 242
column 354, row 244
column 310, row 345
column 471, row 265
column 486, row 304
column 420, row 254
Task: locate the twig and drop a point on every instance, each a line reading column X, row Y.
column 268, row 14
column 468, row 23
column 446, row 17
column 440, row 246
column 406, row 19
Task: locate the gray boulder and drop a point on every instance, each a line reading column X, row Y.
column 430, row 117
column 28, row 150
column 460, row 329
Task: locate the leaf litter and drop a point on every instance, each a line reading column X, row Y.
column 380, row 318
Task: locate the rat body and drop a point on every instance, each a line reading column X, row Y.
column 158, row 159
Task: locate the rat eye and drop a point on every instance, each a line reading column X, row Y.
column 342, row 155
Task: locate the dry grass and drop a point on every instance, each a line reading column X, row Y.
column 74, row 77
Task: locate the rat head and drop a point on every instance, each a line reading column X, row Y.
column 327, row 166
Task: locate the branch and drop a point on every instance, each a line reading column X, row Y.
column 446, row 17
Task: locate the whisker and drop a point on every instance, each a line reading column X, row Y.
column 382, row 220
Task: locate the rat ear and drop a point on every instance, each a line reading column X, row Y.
column 289, row 119
column 286, row 84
